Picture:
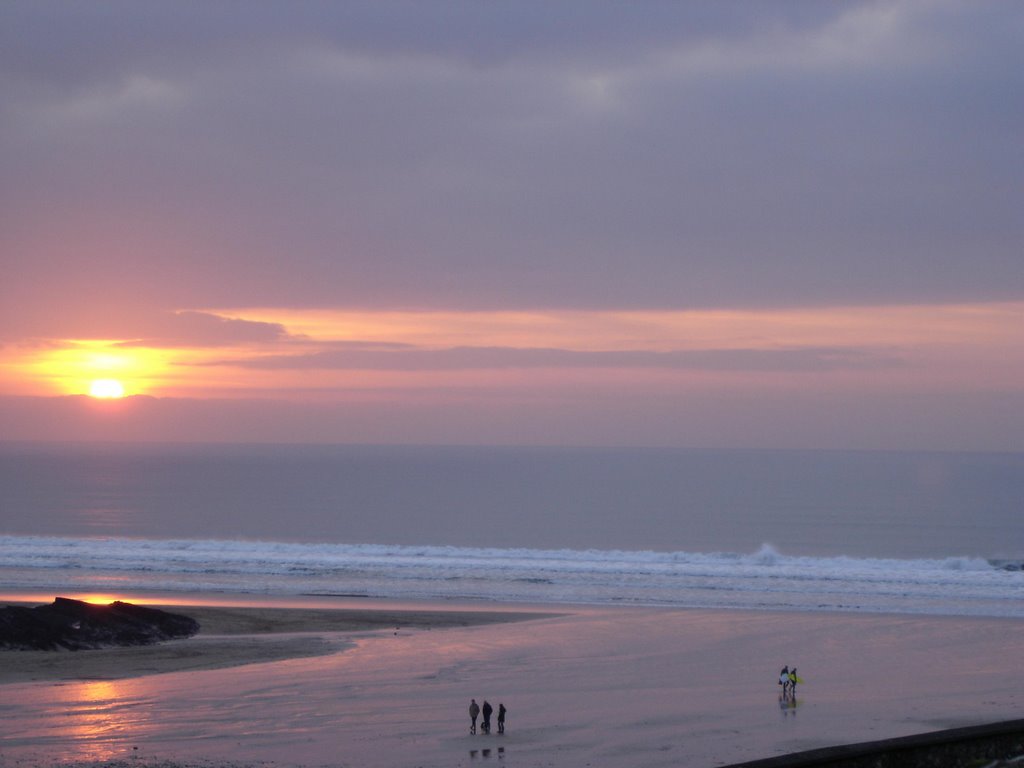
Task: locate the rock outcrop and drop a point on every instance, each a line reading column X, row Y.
column 75, row 625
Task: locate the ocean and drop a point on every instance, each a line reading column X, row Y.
column 914, row 533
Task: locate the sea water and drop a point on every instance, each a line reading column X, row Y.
column 937, row 533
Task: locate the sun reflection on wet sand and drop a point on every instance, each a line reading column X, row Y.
column 100, row 717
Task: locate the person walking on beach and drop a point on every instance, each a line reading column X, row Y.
column 501, row 717
column 793, row 680
column 474, row 711
column 784, row 680
column 486, row 726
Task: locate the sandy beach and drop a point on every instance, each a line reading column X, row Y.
column 383, row 685
column 237, row 635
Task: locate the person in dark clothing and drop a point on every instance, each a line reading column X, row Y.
column 501, row 717
column 784, row 680
column 485, row 726
column 474, row 711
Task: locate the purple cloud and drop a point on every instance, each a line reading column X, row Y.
column 458, row 155
column 476, row 358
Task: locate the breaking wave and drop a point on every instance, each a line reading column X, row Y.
column 766, row 579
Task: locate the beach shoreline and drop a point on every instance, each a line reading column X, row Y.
column 237, row 635
column 378, row 684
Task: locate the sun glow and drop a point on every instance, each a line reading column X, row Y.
column 102, row 369
column 106, row 389
column 98, row 598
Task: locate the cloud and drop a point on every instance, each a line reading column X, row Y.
column 764, row 161
column 490, row 358
column 137, row 327
column 521, row 155
column 165, row 35
column 202, row 329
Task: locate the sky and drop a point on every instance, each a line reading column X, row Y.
column 701, row 224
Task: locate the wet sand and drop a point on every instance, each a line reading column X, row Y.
column 237, row 635
column 629, row 688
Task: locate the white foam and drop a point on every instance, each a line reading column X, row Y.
column 766, row 579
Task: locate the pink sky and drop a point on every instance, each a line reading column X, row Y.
column 721, row 224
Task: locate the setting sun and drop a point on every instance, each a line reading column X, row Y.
column 106, row 388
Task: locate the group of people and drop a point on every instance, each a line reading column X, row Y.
column 788, row 681
column 475, row 710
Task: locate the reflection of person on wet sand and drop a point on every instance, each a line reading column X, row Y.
column 788, row 705
column 486, row 726
column 485, row 753
column 501, row 717
column 474, row 710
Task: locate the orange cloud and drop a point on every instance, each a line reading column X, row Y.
column 660, row 331
column 321, row 354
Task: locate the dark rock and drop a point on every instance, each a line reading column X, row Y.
column 993, row 745
column 76, row 625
